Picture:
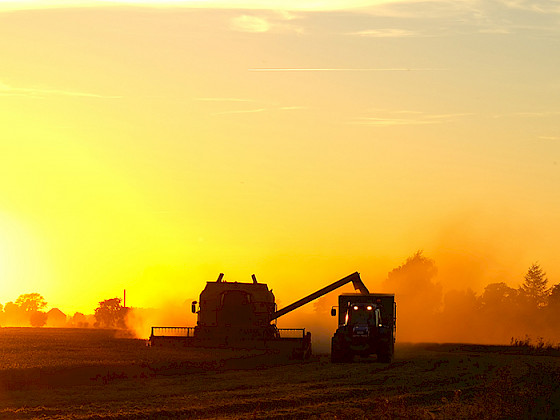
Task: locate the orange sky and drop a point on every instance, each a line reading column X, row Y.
column 152, row 148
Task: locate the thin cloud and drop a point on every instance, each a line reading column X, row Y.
column 538, row 114
column 537, row 6
column 288, row 69
column 272, row 5
column 251, row 24
column 385, row 33
column 223, row 100
column 7, row 90
column 497, row 31
column 381, row 7
column 416, row 118
column 274, row 22
column 258, row 110
column 291, row 108
column 384, row 122
column 527, row 114
column 241, row 111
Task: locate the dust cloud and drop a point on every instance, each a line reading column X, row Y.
column 168, row 314
column 426, row 312
column 497, row 313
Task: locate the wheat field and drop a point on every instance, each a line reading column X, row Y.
column 97, row 374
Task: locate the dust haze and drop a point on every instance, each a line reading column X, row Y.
column 499, row 314
column 170, row 313
column 460, row 298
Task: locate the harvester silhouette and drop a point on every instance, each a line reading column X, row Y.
column 243, row 315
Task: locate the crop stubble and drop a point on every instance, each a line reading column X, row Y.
column 93, row 374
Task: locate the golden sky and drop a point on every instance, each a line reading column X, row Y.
column 151, row 148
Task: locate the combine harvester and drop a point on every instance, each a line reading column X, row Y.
column 243, row 316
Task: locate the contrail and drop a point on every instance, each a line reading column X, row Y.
column 341, row 69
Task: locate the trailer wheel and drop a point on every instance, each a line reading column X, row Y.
column 385, row 353
column 339, row 351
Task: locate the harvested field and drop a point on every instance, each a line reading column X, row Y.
column 83, row 374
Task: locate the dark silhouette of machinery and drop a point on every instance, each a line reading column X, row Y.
column 366, row 325
column 243, row 315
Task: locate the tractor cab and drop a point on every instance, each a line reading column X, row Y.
column 362, row 318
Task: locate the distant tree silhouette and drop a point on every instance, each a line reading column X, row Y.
column 38, row 318
column 554, row 296
column 413, row 282
column 30, row 302
column 15, row 315
column 110, row 314
column 498, row 294
column 534, row 287
column 79, row 320
column 417, row 272
column 419, row 296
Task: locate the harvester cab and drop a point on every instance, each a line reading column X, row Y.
column 366, row 325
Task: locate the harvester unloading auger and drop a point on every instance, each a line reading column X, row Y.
column 243, row 315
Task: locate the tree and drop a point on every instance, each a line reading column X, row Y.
column 14, row 315
column 111, row 314
column 498, row 294
column 30, row 302
column 79, row 320
column 534, row 287
column 419, row 296
column 413, row 280
column 554, row 296
column 38, row 318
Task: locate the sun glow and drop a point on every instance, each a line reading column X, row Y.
column 148, row 149
column 21, row 259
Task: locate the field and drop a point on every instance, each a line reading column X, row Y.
column 93, row 374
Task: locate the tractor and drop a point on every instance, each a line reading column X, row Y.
column 366, row 325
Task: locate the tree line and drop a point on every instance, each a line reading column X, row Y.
column 499, row 314
column 29, row 310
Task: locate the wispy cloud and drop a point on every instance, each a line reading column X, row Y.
column 540, row 114
column 385, row 33
column 7, row 90
column 529, row 114
column 258, row 110
column 497, row 31
column 395, row 118
column 291, row 108
column 248, row 23
column 538, row 6
column 272, row 5
column 224, row 100
column 549, row 138
column 293, row 69
column 264, row 106
column 278, row 22
column 389, row 121
column 241, row 111
column 389, row 7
